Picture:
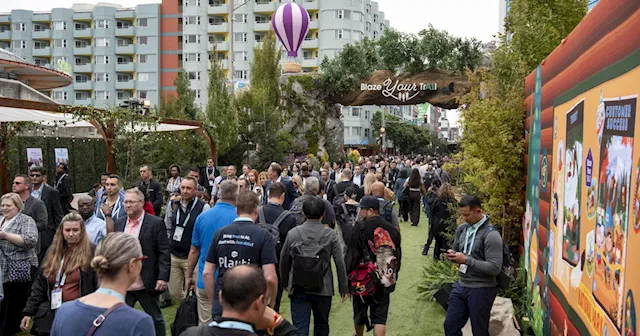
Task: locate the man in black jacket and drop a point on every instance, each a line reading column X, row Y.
column 340, row 187
column 154, row 190
column 208, row 175
column 63, row 185
column 244, row 309
column 154, row 276
column 51, row 198
column 275, row 172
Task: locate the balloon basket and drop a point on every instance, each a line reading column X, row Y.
column 291, row 67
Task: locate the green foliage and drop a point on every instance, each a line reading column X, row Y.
column 221, row 113
column 436, row 275
column 398, row 52
column 406, row 137
column 518, row 293
column 186, row 97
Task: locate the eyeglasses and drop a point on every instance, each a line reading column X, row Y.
column 35, row 175
column 142, row 259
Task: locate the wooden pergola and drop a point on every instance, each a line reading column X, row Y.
column 23, row 110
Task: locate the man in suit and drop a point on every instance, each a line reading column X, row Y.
column 208, row 175
column 152, row 234
column 63, row 185
column 154, row 190
column 33, row 207
column 329, row 183
column 358, row 176
column 274, row 172
column 51, row 198
column 341, row 187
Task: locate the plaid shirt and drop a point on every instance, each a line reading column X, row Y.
column 25, row 227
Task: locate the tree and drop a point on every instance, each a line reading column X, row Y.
column 406, row 137
column 221, row 112
column 186, row 96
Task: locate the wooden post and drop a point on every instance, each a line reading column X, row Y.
column 211, row 143
column 108, row 135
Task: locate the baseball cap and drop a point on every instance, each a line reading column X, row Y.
column 369, row 202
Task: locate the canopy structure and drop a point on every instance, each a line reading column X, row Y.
column 35, row 76
column 47, row 114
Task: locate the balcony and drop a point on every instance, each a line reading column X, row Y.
column 41, row 34
column 126, row 50
column 82, row 16
column 128, row 31
column 218, row 9
column 265, row 7
column 5, row 35
column 41, row 17
column 309, row 63
column 310, row 5
column 313, row 24
column 221, row 46
column 83, row 50
column 84, row 100
column 125, row 14
column 83, row 33
column 46, row 51
column 88, row 85
column 87, row 67
column 125, row 67
column 309, row 44
column 262, row 26
column 223, row 62
column 223, row 27
column 128, row 85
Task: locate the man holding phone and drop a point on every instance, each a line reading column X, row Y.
column 478, row 250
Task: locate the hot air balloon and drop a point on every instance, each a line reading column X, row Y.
column 291, row 23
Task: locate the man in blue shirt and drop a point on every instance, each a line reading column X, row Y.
column 207, row 223
column 239, row 243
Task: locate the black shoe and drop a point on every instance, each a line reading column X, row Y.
column 166, row 304
column 425, row 251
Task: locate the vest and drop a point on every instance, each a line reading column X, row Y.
column 180, row 249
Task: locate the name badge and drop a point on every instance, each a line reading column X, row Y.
column 463, row 269
column 324, row 196
column 177, row 235
column 56, row 298
column 211, row 183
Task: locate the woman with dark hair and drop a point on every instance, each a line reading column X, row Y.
column 441, row 214
column 347, row 215
column 67, row 269
column 414, row 198
column 398, row 188
column 173, row 183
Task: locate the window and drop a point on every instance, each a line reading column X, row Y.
column 142, row 94
column 262, row 19
column 215, row 21
column 196, row 93
column 101, row 41
column 142, row 40
column 307, row 55
column 192, row 39
column 240, row 18
column 80, row 43
column 240, row 37
column 40, row 28
column 60, row 95
column 142, row 22
column 143, row 77
column 375, row 34
column 19, row 44
column 355, row 112
column 367, row 26
column 101, row 24
column 366, row 115
column 41, row 61
column 124, row 60
column 340, row 14
column 192, row 57
column 142, row 58
column 82, row 95
column 60, row 43
column 191, row 3
column 123, row 42
column 192, row 20
column 240, row 56
column 123, row 24
column 40, row 45
column 104, row 95
column 59, row 58
column 367, row 8
column 82, row 78
column 382, row 26
column 343, row 34
column 80, row 26
column 122, row 95
column 102, row 59
column 216, row 3
column 357, row 131
column 194, row 75
column 101, row 77
column 375, row 18
column 259, row 37
column 366, row 133
column 123, row 78
column 241, row 74
column 19, row 27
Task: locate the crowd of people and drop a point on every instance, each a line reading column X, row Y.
column 197, row 232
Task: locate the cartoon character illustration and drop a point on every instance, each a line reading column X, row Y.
column 386, row 262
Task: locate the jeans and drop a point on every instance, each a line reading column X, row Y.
column 469, row 303
column 216, row 308
column 301, row 307
column 151, row 306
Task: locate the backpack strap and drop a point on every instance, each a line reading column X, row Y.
column 335, row 190
column 344, row 209
column 302, row 234
column 261, row 217
column 280, row 218
column 100, row 319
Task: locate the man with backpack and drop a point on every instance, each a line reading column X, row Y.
column 312, row 190
column 478, row 249
column 387, row 209
column 274, row 214
column 306, row 269
column 373, row 261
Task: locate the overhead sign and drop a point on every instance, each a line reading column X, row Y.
column 401, row 92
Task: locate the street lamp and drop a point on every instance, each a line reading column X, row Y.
column 232, row 20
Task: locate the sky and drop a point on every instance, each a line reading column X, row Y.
column 461, row 18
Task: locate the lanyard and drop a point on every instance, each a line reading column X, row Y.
column 233, row 325
column 209, row 174
column 60, row 180
column 176, row 183
column 6, row 223
column 60, row 283
column 114, row 212
column 186, row 220
column 471, row 233
column 111, row 292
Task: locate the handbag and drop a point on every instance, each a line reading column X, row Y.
column 18, row 271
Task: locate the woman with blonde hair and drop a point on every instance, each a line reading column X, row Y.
column 18, row 260
column 66, row 269
column 369, row 180
column 118, row 263
column 259, row 189
column 296, row 180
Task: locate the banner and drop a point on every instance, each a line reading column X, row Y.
column 62, row 156
column 34, row 157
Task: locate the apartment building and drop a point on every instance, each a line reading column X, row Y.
column 111, row 52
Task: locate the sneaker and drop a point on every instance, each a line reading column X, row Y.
column 425, row 251
column 166, row 304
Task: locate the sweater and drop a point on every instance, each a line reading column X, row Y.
column 485, row 261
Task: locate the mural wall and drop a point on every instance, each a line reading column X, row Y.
column 582, row 221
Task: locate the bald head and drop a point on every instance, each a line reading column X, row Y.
column 86, row 206
column 242, row 286
column 377, row 189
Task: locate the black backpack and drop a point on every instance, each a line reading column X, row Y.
column 386, row 210
column 310, row 261
column 186, row 315
column 272, row 228
column 296, row 209
column 347, row 222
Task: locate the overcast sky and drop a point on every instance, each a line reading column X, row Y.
column 463, row 18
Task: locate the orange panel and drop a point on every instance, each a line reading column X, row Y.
column 167, row 93
column 169, row 62
column 169, row 25
column 169, row 43
column 167, row 78
column 169, row 7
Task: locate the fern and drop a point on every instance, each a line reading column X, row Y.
column 436, row 275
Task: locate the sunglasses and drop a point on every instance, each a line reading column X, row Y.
column 35, row 175
column 17, row 183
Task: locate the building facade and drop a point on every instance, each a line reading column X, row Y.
column 112, row 53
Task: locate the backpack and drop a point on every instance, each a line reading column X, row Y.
column 272, row 228
column 428, row 178
column 296, row 209
column 386, row 210
column 186, row 315
column 338, row 199
column 347, row 222
column 505, row 277
column 310, row 261
column 364, row 279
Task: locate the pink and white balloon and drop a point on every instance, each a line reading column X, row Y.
column 291, row 23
